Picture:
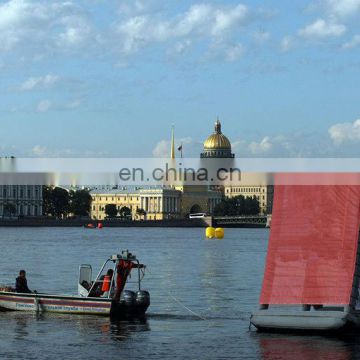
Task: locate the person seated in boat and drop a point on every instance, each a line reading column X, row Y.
column 123, row 271
column 21, row 283
column 97, row 289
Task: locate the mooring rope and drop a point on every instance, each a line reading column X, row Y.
column 180, row 303
column 185, row 307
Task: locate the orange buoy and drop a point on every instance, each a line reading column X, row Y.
column 100, row 225
column 106, row 283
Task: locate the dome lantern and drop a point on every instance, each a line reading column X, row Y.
column 217, row 127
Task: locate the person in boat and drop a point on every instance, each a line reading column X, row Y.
column 96, row 291
column 123, row 271
column 21, row 283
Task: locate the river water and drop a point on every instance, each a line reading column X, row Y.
column 202, row 293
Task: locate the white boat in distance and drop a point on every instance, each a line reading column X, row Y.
column 99, row 297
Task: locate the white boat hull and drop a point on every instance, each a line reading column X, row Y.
column 283, row 319
column 54, row 303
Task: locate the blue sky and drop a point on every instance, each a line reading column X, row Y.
column 108, row 78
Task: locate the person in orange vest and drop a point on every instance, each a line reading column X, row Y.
column 123, row 271
column 99, row 289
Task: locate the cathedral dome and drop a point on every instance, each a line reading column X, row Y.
column 217, row 141
column 217, row 145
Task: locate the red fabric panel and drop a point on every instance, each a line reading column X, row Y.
column 313, row 244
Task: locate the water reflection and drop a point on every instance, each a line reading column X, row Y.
column 25, row 325
column 21, row 327
column 305, row 347
column 122, row 330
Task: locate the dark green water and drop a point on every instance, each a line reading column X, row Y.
column 218, row 279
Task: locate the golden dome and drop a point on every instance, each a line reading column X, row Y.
column 217, row 141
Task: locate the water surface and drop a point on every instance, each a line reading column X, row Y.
column 202, row 293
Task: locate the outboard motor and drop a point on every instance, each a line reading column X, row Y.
column 142, row 301
column 127, row 299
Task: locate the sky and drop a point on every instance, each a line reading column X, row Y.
column 104, row 78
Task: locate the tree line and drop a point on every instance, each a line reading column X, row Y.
column 61, row 203
column 238, row 205
column 112, row 211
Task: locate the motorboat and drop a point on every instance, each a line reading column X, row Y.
column 105, row 295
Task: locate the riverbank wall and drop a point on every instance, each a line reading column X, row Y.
column 50, row 222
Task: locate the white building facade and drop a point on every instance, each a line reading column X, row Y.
column 21, row 200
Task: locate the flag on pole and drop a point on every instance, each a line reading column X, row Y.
column 180, row 149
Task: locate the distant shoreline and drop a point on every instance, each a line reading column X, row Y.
column 44, row 222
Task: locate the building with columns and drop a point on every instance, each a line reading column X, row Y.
column 158, row 203
column 21, row 200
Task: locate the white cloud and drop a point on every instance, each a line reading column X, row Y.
column 343, row 8
column 41, row 26
column 261, row 36
column 233, row 53
column 39, row 150
column 191, row 148
column 264, row 146
column 226, row 19
column 287, row 43
column 74, row 35
column 39, row 82
column 345, row 132
column 354, row 42
column 289, row 145
column 321, row 29
column 43, row 106
column 181, row 47
column 200, row 21
column 162, row 149
column 73, row 104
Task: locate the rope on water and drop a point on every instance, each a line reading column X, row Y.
column 185, row 307
column 181, row 304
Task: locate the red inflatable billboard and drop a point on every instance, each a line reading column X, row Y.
column 313, row 245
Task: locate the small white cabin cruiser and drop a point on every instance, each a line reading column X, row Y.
column 106, row 295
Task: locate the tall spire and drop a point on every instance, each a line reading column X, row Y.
column 172, row 149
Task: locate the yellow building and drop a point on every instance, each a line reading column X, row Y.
column 158, row 203
column 263, row 193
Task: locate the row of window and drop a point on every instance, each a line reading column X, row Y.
column 245, row 190
column 23, row 210
column 102, row 208
column 20, row 191
column 112, row 198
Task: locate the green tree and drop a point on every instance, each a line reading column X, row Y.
column 80, row 201
column 141, row 212
column 48, row 206
column 111, row 210
column 61, row 202
column 238, row 205
column 9, row 209
column 125, row 212
column 56, row 201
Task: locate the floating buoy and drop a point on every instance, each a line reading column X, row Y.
column 99, row 225
column 210, row 232
column 219, row 233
